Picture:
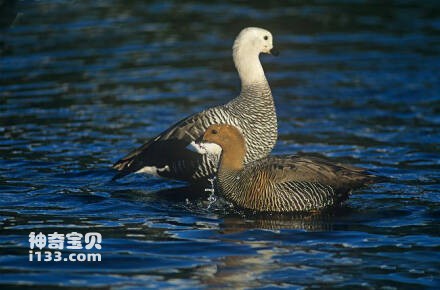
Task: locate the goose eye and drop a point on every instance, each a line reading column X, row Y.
column 266, row 37
column 214, row 131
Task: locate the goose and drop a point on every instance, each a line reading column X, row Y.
column 284, row 183
column 253, row 111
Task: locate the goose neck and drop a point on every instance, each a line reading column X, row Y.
column 249, row 67
column 232, row 159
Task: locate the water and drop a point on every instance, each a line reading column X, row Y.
column 84, row 82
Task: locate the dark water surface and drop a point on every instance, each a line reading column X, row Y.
column 84, row 82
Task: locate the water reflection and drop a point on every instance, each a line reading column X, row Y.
column 234, row 220
column 308, row 221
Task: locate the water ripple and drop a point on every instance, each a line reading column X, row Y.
column 83, row 83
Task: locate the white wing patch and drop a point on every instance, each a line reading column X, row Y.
column 153, row 170
column 205, row 148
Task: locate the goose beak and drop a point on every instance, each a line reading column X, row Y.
column 274, row 52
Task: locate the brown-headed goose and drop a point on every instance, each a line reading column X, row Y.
column 277, row 183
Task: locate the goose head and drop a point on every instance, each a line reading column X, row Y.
column 254, row 40
column 223, row 139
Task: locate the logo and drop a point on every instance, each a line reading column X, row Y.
column 55, row 242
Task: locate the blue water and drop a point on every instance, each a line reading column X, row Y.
column 84, row 82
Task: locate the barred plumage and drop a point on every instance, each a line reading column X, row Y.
column 253, row 111
column 280, row 183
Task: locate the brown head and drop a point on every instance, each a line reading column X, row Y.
column 232, row 142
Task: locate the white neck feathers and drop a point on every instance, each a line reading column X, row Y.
column 247, row 62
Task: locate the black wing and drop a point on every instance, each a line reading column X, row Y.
column 168, row 151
